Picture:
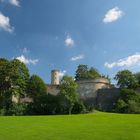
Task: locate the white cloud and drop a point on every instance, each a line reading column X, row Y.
column 5, row 23
column 69, row 41
column 125, row 62
column 113, row 15
column 79, row 57
column 14, row 2
column 62, row 73
column 25, row 60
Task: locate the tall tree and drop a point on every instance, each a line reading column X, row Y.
column 36, row 87
column 81, row 72
column 19, row 75
column 68, row 89
column 14, row 76
column 125, row 79
column 93, row 73
column 5, row 84
column 137, row 76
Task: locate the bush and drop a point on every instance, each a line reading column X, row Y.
column 78, row 108
column 129, row 102
column 121, row 106
column 45, row 104
column 3, row 112
column 18, row 109
column 134, row 107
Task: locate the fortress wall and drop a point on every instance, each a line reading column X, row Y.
column 87, row 89
column 53, row 89
column 94, row 92
column 107, row 98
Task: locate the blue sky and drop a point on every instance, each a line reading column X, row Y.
column 52, row 34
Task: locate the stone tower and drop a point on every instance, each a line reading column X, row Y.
column 55, row 77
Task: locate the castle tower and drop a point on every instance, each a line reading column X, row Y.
column 55, row 77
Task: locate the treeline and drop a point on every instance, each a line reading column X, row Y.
column 17, row 84
column 129, row 101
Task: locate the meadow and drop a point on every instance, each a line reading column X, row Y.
column 97, row 126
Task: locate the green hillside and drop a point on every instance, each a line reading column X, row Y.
column 98, row 126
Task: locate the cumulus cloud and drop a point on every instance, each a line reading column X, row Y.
column 125, row 62
column 5, row 23
column 25, row 60
column 62, row 73
column 76, row 58
column 69, row 41
column 14, row 2
column 113, row 15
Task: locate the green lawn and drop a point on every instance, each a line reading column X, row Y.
column 98, row 126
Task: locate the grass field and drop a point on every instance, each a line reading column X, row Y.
column 98, row 126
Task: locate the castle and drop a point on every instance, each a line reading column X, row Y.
column 96, row 92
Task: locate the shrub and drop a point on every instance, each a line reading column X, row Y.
column 17, row 109
column 129, row 102
column 78, row 108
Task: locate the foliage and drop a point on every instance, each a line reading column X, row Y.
column 68, row 89
column 44, row 104
column 129, row 102
column 78, row 108
column 14, row 77
column 36, row 87
column 19, row 75
column 137, row 76
column 125, row 79
column 5, row 84
column 17, row 109
column 93, row 73
column 3, row 112
column 83, row 72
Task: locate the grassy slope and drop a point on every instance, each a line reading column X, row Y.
column 99, row 126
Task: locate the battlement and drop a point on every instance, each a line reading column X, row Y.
column 95, row 80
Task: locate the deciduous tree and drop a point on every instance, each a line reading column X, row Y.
column 68, row 88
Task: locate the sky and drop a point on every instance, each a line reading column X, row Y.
column 52, row 34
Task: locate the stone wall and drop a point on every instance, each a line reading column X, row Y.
column 53, row 89
column 107, row 98
column 87, row 89
column 95, row 92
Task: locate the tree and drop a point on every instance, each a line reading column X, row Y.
column 45, row 104
column 14, row 77
column 5, row 84
column 125, row 79
column 81, row 72
column 19, row 75
column 68, row 89
column 93, row 73
column 129, row 102
column 36, row 87
column 137, row 76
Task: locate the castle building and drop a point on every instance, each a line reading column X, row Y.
column 96, row 92
column 55, row 77
column 53, row 88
